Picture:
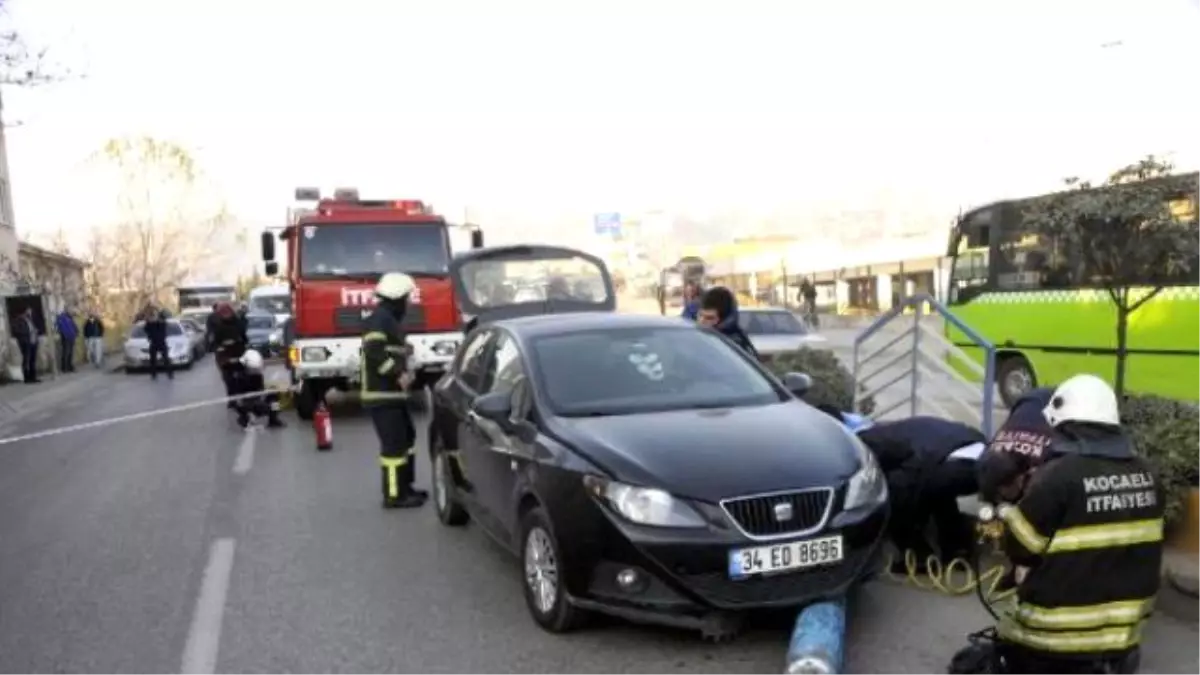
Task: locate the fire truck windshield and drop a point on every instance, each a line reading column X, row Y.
column 370, row 249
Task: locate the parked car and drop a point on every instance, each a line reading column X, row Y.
column 642, row 467
column 264, row 333
column 137, row 347
column 195, row 333
column 775, row 331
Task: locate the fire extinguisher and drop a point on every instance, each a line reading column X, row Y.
column 323, row 427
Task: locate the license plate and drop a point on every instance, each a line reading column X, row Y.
column 794, row 555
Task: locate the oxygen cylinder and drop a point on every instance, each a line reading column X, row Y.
column 819, row 639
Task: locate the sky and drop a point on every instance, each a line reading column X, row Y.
column 533, row 116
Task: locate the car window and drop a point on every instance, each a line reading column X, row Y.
column 470, row 364
column 630, row 370
column 504, row 369
column 771, row 323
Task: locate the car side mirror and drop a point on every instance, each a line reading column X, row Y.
column 798, row 383
column 495, row 407
column 476, row 238
column 271, row 268
column 268, row 246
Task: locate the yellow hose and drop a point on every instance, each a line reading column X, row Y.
column 956, row 577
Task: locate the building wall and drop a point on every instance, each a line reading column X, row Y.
column 9, row 266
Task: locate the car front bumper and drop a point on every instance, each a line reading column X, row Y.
column 685, row 573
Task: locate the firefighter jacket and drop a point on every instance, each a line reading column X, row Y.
column 384, row 359
column 229, row 339
column 1089, row 528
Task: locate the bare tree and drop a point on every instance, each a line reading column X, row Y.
column 23, row 64
column 1132, row 236
column 170, row 224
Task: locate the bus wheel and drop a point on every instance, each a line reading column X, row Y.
column 1015, row 377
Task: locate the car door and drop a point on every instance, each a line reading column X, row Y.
column 457, row 393
column 507, row 454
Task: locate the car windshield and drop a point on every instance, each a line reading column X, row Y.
column 626, row 371
column 370, row 250
column 260, row 322
column 497, row 283
column 173, row 329
column 771, row 323
column 272, row 304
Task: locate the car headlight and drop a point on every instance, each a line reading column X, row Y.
column 644, row 506
column 314, row 354
column 445, row 347
column 868, row 485
column 275, row 338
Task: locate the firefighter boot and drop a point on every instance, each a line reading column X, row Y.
column 397, row 496
column 273, row 421
column 243, row 418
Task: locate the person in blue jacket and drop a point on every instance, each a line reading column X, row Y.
column 68, row 331
column 718, row 311
column 691, row 301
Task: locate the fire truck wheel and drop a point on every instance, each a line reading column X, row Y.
column 305, row 401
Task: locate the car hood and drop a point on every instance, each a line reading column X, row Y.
column 711, row 455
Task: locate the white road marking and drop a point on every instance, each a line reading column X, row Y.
column 245, row 456
column 204, row 636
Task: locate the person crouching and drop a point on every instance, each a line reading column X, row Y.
column 248, row 379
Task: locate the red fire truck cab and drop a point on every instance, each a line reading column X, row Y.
column 336, row 253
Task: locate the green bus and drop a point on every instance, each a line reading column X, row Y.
column 1033, row 301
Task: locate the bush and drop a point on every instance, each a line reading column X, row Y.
column 833, row 383
column 1167, row 433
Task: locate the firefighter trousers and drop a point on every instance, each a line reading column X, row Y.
column 397, row 435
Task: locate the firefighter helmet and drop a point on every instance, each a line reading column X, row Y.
column 252, row 360
column 395, row 285
column 1083, row 398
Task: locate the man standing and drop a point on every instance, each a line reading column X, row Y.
column 385, row 378
column 691, row 301
column 229, row 345
column 156, row 335
column 68, row 331
column 93, row 339
column 808, row 301
column 26, row 332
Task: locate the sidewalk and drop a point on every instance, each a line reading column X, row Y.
column 18, row 399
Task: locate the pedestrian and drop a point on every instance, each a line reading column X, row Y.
column 928, row 462
column 155, row 326
column 691, row 301
column 718, row 310
column 26, row 332
column 808, row 301
column 229, row 344
column 93, row 339
column 1086, row 535
column 68, row 331
column 384, row 383
column 248, row 378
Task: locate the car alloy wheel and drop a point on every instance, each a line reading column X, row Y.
column 541, row 569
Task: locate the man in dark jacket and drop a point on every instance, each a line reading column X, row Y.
column 93, row 339
column 229, row 344
column 25, row 330
column 156, row 334
column 68, row 332
column 718, row 310
column 929, row 463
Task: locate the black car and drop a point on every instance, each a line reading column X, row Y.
column 642, row 466
column 264, row 334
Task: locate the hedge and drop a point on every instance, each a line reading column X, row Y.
column 1165, row 431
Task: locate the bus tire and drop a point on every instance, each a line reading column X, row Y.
column 1014, row 378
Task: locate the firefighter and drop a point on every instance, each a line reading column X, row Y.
column 1020, row 446
column 229, row 343
column 248, row 379
column 1086, row 534
column 385, row 378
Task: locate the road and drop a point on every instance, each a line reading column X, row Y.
column 183, row 543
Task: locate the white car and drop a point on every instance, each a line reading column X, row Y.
column 179, row 346
column 195, row 333
column 775, row 330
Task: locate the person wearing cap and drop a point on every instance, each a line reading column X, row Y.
column 248, row 380
column 1087, row 530
column 229, row 344
column 384, row 381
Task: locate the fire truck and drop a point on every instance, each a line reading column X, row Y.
column 336, row 252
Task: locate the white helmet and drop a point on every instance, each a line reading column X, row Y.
column 1083, row 398
column 394, row 285
column 252, row 360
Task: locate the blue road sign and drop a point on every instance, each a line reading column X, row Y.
column 607, row 224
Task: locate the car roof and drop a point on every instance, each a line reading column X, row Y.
column 552, row 324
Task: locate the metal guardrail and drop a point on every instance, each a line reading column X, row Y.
column 915, row 364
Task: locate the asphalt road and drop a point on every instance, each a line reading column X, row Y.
column 183, row 543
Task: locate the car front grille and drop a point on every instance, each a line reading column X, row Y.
column 780, row 514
